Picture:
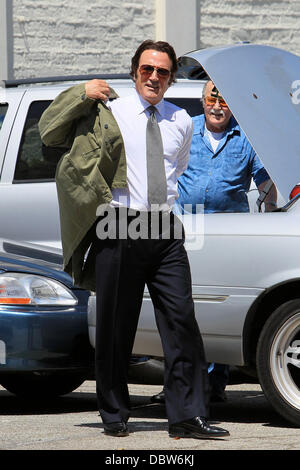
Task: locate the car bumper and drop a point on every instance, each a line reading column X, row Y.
column 44, row 339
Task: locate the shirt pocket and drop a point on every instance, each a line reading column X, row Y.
column 234, row 164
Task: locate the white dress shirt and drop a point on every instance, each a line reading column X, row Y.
column 176, row 128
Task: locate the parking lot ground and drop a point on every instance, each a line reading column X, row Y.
column 71, row 422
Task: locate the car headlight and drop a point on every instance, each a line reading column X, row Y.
column 24, row 289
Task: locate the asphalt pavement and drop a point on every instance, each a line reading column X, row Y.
column 72, row 422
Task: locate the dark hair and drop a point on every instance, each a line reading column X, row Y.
column 160, row 46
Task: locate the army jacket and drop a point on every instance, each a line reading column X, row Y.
column 94, row 163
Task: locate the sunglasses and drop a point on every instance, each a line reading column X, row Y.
column 147, row 70
column 211, row 101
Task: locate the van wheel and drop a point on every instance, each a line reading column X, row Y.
column 278, row 360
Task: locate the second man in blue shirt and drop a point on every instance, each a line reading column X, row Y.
column 222, row 162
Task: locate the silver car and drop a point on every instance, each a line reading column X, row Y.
column 246, row 267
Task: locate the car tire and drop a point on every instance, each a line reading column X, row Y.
column 41, row 386
column 278, row 360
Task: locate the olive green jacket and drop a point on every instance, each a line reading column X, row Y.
column 94, row 164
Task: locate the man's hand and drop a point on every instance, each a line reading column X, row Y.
column 97, row 89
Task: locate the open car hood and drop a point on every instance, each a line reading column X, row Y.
column 261, row 85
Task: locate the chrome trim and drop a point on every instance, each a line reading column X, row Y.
column 210, row 297
column 201, row 297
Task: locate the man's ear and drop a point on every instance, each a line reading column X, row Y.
column 171, row 79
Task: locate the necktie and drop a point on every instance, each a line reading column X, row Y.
column 156, row 175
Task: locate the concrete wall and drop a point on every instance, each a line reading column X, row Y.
column 177, row 22
column 75, row 37
column 92, row 36
column 271, row 22
column 6, row 40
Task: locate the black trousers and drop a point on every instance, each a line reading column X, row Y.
column 123, row 267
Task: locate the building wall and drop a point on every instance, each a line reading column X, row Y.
column 92, row 36
column 76, row 37
column 271, row 22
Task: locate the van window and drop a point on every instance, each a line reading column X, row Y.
column 3, row 111
column 35, row 163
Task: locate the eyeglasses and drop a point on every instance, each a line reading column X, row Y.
column 148, row 70
column 211, row 101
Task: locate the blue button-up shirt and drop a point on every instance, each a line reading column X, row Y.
column 220, row 179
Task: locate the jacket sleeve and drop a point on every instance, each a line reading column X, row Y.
column 57, row 123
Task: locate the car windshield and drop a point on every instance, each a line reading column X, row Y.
column 3, row 110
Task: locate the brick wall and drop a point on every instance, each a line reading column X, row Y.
column 273, row 22
column 75, row 37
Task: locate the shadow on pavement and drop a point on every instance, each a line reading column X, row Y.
column 242, row 406
column 74, row 402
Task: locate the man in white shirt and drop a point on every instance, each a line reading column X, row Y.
column 125, row 264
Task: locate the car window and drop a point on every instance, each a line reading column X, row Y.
column 192, row 105
column 34, row 162
column 37, row 163
column 3, row 111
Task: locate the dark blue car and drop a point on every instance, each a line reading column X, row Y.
column 44, row 344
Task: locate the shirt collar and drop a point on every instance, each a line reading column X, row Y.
column 232, row 126
column 142, row 104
